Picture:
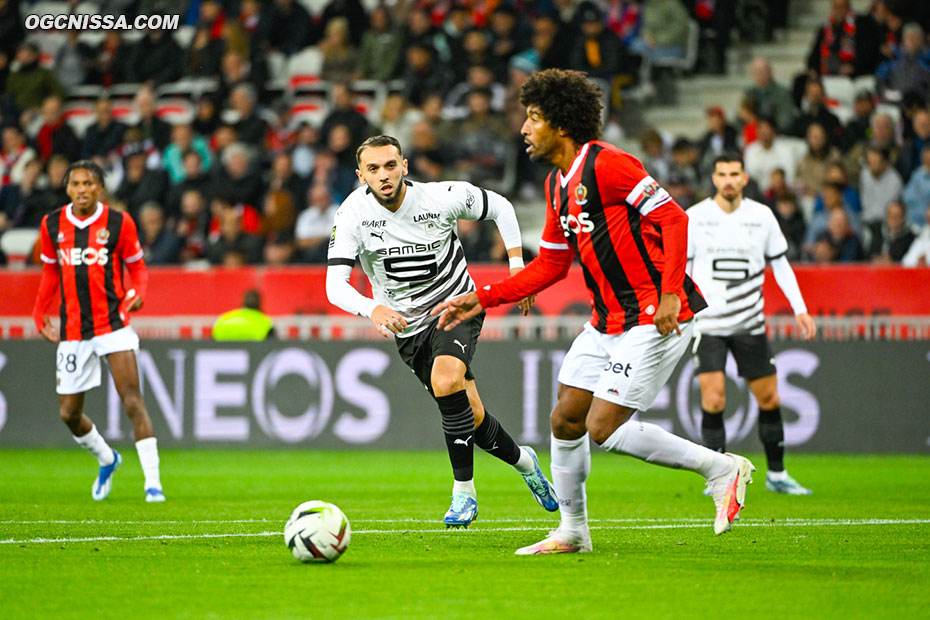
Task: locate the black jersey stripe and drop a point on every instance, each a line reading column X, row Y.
column 484, row 204
column 741, row 310
column 457, row 257
column 603, row 246
column 600, row 308
column 777, row 256
column 82, row 285
column 114, row 228
column 748, row 278
column 550, row 181
column 753, row 291
column 348, row 262
column 635, row 220
column 458, row 286
column 53, row 225
column 696, row 300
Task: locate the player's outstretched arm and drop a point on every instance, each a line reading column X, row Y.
column 456, row 310
column 788, row 284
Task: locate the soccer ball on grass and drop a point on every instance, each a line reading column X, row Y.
column 317, row 532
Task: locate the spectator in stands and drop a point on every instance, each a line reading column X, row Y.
column 11, row 27
column 909, row 70
column 192, row 226
column 156, row 58
column 112, row 60
column 141, row 184
column 339, row 143
column 194, row 177
column 840, row 45
column 508, row 34
column 25, row 203
column 777, row 186
column 315, row 225
column 105, row 135
column 426, row 160
column 398, row 117
column 48, row 197
column 715, row 19
column 749, row 119
column 303, row 153
column 721, row 137
column 599, row 52
column 236, row 70
column 664, row 31
column 206, row 119
column 344, row 113
column 686, row 166
column 552, row 41
column 160, row 245
column 73, row 61
column 381, row 49
column 455, row 106
column 250, row 127
column 881, row 134
column 767, row 153
column 280, row 249
column 655, row 158
column 421, row 32
column 327, row 170
column 910, row 151
column 791, row 222
column 353, row 11
column 814, row 110
column 30, row 84
column 288, row 27
column 812, row 169
column 879, row 184
column 833, row 199
column 55, row 136
column 204, row 55
column 774, row 99
column 483, row 148
column 247, row 323
column 916, row 194
column 444, row 128
column 889, row 240
column 277, row 216
column 857, row 127
column 14, row 155
column 183, row 139
column 281, row 177
column 152, row 127
column 251, row 14
column 836, row 173
column 238, row 175
column 918, row 255
column 838, row 243
column 232, row 246
column 339, row 56
column 625, row 18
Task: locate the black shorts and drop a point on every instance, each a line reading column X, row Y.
column 419, row 351
column 753, row 354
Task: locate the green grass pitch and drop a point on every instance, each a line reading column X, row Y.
column 858, row 548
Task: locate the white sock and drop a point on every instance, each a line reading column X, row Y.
column 94, row 443
column 653, row 444
column 525, row 464
column 465, row 486
column 571, row 464
column 777, row 476
column 148, row 458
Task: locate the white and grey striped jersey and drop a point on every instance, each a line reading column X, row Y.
column 412, row 256
column 727, row 254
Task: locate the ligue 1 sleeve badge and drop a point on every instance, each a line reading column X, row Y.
column 581, row 195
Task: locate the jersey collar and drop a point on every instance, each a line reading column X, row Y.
column 577, row 162
column 79, row 223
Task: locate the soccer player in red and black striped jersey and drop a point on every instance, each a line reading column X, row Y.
column 631, row 240
column 85, row 246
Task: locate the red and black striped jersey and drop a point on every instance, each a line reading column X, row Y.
column 90, row 254
column 628, row 233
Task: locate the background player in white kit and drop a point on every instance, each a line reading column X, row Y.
column 404, row 236
column 730, row 239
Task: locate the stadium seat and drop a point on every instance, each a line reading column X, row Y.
column 839, row 90
column 80, row 116
column 311, row 110
column 49, row 8
column 304, row 68
column 277, row 66
column 685, row 63
column 190, row 88
column 184, row 35
column 175, row 110
column 864, row 82
column 85, row 92
column 314, row 7
column 17, row 244
column 368, row 98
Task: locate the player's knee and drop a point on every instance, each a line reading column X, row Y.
column 446, row 383
column 714, row 401
column 600, row 431
column 566, row 426
column 768, row 400
column 133, row 402
column 69, row 415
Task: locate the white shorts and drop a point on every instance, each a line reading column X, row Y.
column 627, row 369
column 77, row 367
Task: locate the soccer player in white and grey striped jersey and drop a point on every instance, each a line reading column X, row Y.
column 730, row 240
column 403, row 234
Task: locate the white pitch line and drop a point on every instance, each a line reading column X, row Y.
column 224, row 521
column 677, row 525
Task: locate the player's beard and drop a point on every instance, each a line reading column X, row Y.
column 391, row 201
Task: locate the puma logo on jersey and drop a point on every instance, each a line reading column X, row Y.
column 379, row 235
column 464, row 442
column 456, row 341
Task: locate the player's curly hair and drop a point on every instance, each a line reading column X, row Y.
column 88, row 165
column 568, row 100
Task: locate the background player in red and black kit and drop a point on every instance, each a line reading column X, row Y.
column 631, row 240
column 85, row 245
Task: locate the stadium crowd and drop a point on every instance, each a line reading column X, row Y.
column 232, row 140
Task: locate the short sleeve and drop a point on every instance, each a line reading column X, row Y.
column 465, row 201
column 343, row 241
column 129, row 247
column 622, row 178
column 47, row 252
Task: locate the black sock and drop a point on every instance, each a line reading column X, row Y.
column 458, row 424
column 772, row 434
column 713, row 432
column 493, row 439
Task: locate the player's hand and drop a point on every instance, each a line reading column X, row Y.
column 49, row 331
column 666, row 318
column 456, row 310
column 807, row 325
column 527, row 302
column 387, row 321
column 133, row 301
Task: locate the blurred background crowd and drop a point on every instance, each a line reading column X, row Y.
column 232, row 139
